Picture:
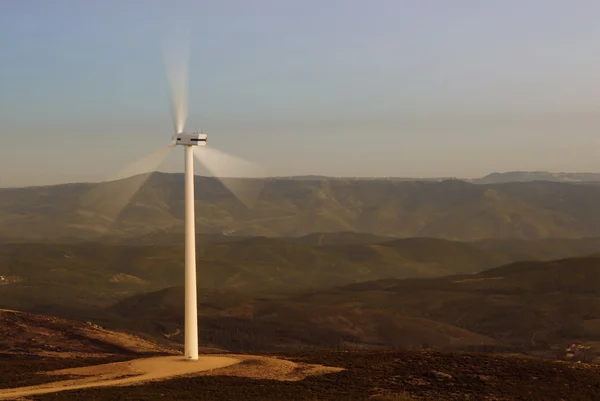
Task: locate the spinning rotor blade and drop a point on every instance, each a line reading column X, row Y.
column 146, row 164
column 229, row 169
column 108, row 199
column 176, row 53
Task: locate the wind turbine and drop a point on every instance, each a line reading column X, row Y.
column 220, row 164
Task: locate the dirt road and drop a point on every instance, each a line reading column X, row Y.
column 122, row 374
column 143, row 370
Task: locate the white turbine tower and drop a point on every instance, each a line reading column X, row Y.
column 216, row 162
column 221, row 165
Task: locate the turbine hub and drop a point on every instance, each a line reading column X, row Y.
column 190, row 139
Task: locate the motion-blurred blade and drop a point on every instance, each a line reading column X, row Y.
column 146, row 164
column 176, row 53
column 107, row 200
column 243, row 178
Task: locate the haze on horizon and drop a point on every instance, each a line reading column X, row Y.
column 339, row 88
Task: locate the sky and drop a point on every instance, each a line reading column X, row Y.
column 331, row 87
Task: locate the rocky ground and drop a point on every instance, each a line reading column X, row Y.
column 24, row 333
column 368, row 375
column 31, row 346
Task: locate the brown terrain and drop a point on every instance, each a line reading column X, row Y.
column 144, row 370
column 92, row 363
column 50, row 339
column 450, row 209
column 47, row 336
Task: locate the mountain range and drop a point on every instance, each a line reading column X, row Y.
column 450, row 209
column 527, row 176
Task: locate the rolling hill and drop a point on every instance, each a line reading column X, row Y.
column 275, row 321
column 535, row 306
column 529, row 304
column 449, row 209
column 27, row 334
column 41, row 277
column 321, row 290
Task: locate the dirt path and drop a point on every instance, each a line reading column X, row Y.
column 260, row 367
column 143, row 370
column 122, row 374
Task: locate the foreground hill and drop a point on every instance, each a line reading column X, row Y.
column 268, row 321
column 364, row 375
column 536, row 306
column 527, row 304
column 379, row 375
column 448, row 209
column 23, row 334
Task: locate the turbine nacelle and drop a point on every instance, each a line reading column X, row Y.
column 190, row 139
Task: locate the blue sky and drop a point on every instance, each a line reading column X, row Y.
column 357, row 88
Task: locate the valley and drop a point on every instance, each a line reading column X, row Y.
column 325, row 290
column 480, row 291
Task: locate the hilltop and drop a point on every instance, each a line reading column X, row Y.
column 23, row 334
column 449, row 209
column 380, row 375
column 48, row 354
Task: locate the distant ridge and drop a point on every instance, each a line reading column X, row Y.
column 450, row 209
column 525, row 176
column 492, row 178
column 349, row 178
